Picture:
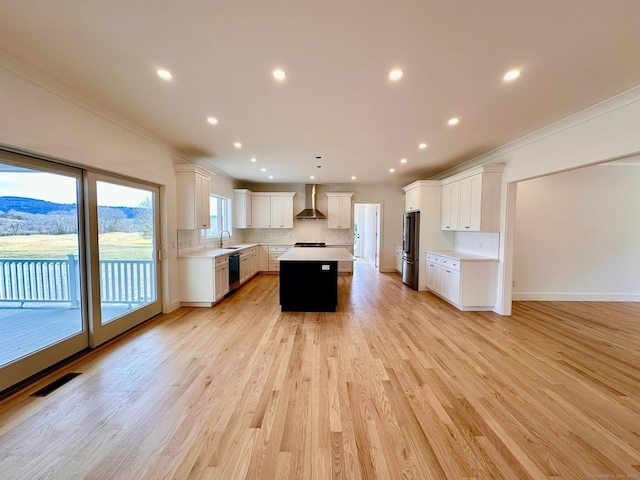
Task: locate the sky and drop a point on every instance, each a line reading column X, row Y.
column 60, row 189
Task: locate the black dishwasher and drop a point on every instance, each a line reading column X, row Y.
column 234, row 271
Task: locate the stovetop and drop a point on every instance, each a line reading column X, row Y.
column 310, row 244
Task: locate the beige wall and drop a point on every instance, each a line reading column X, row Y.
column 577, row 235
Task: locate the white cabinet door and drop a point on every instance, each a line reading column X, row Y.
column 450, row 206
column 450, row 285
column 470, row 203
column 241, row 208
column 263, row 258
column 192, row 189
column 412, row 200
column 339, row 212
column 244, row 268
column 398, row 255
column 261, row 212
column 203, row 190
column 221, row 281
column 281, row 212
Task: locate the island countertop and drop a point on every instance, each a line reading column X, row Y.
column 317, row 254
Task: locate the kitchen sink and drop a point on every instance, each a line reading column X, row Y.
column 230, row 248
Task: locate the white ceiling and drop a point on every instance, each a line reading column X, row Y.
column 337, row 101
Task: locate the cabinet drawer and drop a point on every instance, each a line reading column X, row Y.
column 274, row 266
column 278, row 249
column 451, row 263
column 345, row 266
column 222, row 260
column 245, row 253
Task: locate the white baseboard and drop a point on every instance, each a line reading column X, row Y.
column 575, row 297
column 171, row 306
column 388, row 270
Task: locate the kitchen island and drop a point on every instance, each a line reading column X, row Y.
column 309, row 279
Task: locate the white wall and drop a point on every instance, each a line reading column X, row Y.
column 577, row 235
column 42, row 117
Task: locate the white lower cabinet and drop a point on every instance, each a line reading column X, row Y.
column 203, row 281
column 263, row 258
column 344, row 267
column 468, row 284
column 398, row 257
column 245, row 270
column 275, row 252
column 221, row 282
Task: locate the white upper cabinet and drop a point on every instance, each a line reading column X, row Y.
column 272, row 210
column 339, row 215
column 242, row 208
column 193, row 191
column 412, row 200
column 471, row 200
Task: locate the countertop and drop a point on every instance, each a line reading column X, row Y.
column 218, row 252
column 462, row 256
column 318, row 254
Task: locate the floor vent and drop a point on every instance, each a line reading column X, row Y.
column 56, row 384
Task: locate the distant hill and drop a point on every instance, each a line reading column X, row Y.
column 34, row 206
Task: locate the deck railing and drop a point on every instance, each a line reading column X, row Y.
column 58, row 281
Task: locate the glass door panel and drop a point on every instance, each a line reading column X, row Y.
column 125, row 288
column 42, row 317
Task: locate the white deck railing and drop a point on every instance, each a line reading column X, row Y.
column 58, row 281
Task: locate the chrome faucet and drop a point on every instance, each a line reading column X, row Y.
column 222, row 233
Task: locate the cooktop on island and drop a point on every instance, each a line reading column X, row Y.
column 310, row 244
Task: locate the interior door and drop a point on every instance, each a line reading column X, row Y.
column 42, row 309
column 124, row 267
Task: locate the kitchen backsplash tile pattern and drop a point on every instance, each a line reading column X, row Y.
column 303, row 231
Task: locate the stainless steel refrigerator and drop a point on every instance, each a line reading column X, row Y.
column 410, row 249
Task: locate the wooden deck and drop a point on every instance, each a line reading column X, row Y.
column 33, row 326
column 396, row 384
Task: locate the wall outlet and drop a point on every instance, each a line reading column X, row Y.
column 513, row 284
column 480, row 244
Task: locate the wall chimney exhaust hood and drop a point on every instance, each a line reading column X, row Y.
column 310, row 212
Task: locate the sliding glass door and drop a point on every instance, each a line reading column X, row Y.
column 79, row 261
column 125, row 255
column 42, row 309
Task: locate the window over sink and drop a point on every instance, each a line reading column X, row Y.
column 220, row 212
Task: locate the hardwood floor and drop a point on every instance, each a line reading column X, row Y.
column 396, row 384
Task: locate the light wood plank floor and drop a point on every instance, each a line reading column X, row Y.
column 396, row 384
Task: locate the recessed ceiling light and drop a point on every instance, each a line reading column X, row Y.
column 312, row 177
column 279, row 74
column 237, row 145
column 212, row 120
column 164, row 74
column 270, row 176
column 263, row 169
column 395, row 74
column 254, row 160
column 453, row 121
column 404, row 160
column 422, row 146
column 391, row 170
column 512, row 75
column 353, row 178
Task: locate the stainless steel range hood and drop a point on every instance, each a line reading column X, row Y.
column 310, row 212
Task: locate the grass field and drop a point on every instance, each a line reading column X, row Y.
column 113, row 246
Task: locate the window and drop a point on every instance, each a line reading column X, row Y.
column 220, row 211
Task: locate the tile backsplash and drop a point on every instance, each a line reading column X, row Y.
column 303, row 231
column 478, row 243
